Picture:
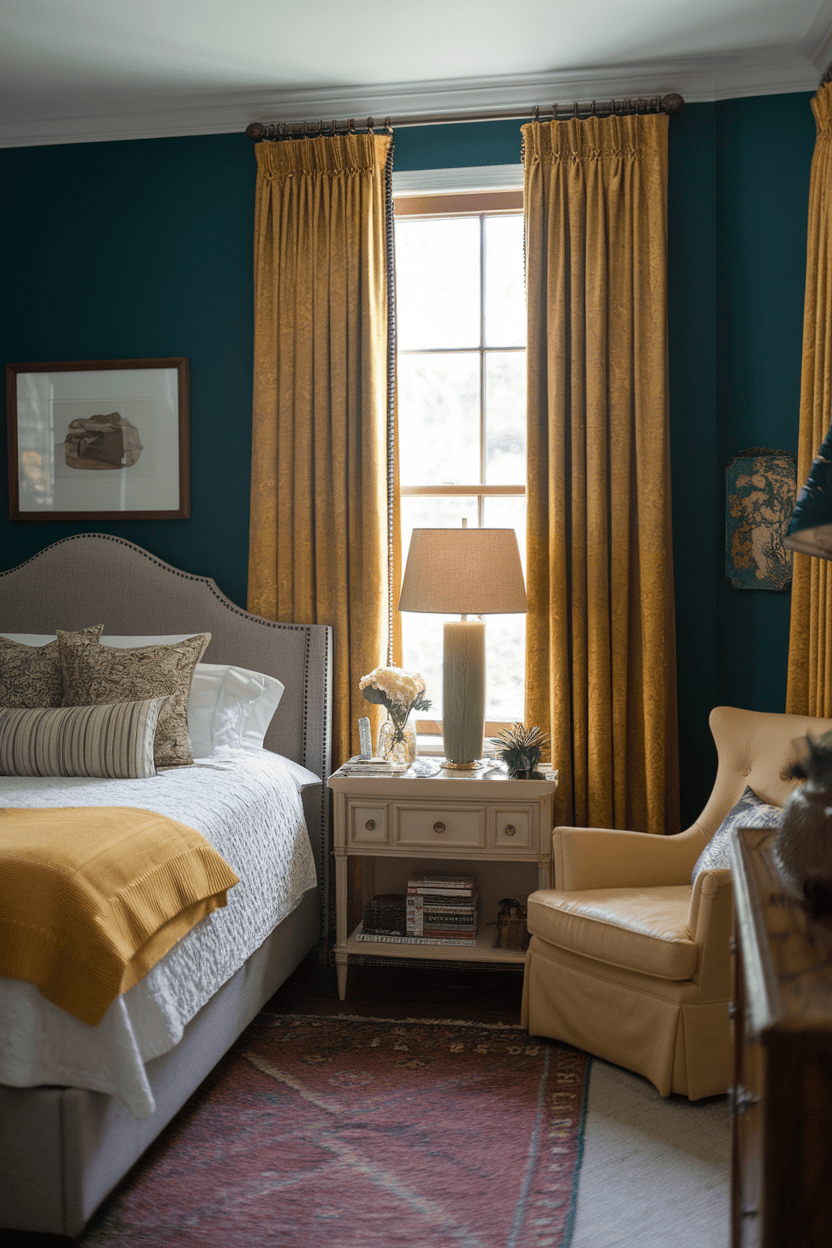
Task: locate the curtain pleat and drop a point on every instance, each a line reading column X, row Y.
column 318, row 548
column 809, row 687
column 600, row 651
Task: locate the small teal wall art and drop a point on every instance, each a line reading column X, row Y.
column 760, row 489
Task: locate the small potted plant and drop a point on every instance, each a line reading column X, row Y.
column 520, row 749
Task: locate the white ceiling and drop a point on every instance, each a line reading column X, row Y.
column 77, row 70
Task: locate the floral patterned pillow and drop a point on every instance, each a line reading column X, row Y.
column 31, row 676
column 94, row 674
column 749, row 812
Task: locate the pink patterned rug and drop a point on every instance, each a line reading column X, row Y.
column 363, row 1133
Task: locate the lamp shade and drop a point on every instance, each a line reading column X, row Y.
column 463, row 572
column 810, row 529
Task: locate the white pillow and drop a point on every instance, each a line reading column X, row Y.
column 301, row 775
column 230, row 708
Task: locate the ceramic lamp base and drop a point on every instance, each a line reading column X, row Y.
column 463, row 692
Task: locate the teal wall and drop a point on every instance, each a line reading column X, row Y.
column 143, row 248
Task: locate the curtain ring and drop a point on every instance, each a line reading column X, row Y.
column 554, row 112
column 388, row 125
column 536, row 114
column 333, row 130
column 351, row 126
column 320, row 128
column 370, row 125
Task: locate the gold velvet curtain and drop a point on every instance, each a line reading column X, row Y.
column 600, row 650
column 319, row 493
column 809, row 689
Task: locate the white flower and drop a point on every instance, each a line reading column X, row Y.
column 400, row 686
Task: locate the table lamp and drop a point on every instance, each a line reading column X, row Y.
column 469, row 572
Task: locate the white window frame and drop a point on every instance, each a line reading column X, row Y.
column 475, row 192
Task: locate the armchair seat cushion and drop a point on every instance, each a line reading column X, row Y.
column 643, row 929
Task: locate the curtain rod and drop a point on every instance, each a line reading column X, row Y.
column 259, row 131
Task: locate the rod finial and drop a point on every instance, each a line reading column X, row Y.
column 255, row 131
column 672, row 104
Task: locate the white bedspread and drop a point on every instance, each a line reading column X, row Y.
column 248, row 806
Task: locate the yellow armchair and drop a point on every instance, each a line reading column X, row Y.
column 627, row 959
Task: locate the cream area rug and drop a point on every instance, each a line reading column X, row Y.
column 655, row 1170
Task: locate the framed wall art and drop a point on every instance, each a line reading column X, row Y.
column 99, row 440
column 760, row 489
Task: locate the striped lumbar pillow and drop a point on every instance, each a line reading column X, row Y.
column 113, row 741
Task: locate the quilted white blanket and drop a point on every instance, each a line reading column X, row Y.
column 248, row 806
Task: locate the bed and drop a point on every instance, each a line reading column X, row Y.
column 64, row 1147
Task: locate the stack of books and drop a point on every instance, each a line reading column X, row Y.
column 442, row 909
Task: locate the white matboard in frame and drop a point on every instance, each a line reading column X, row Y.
column 99, row 440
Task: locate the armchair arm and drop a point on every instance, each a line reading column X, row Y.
column 709, row 926
column 585, row 858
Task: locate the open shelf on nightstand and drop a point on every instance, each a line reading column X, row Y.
column 481, row 951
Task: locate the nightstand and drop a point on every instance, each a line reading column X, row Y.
column 446, row 821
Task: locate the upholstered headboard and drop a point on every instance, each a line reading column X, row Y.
column 95, row 578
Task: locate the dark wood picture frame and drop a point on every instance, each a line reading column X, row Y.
column 173, row 469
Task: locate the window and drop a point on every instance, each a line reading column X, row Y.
column 461, row 330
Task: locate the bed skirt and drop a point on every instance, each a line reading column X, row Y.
column 62, row 1150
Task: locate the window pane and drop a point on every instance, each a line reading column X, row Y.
column 505, row 645
column 505, row 653
column 505, row 417
column 439, row 419
column 438, row 283
column 505, row 288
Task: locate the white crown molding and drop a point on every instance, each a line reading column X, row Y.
column 817, row 43
column 767, row 71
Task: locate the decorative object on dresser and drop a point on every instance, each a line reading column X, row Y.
column 72, row 457
column 520, row 749
column 782, row 1093
column 456, row 818
column 471, row 572
column 804, row 842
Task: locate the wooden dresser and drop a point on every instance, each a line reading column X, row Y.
column 782, row 1094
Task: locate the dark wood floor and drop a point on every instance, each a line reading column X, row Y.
column 432, row 990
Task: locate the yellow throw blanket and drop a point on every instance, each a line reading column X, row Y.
column 92, row 897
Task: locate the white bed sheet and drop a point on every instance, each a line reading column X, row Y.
column 248, row 806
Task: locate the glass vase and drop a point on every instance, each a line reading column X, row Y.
column 399, row 754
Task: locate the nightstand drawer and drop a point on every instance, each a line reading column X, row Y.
column 513, row 829
column 366, row 825
column 423, row 825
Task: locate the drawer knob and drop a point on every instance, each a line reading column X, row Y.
column 439, row 827
column 510, row 829
column 370, row 824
